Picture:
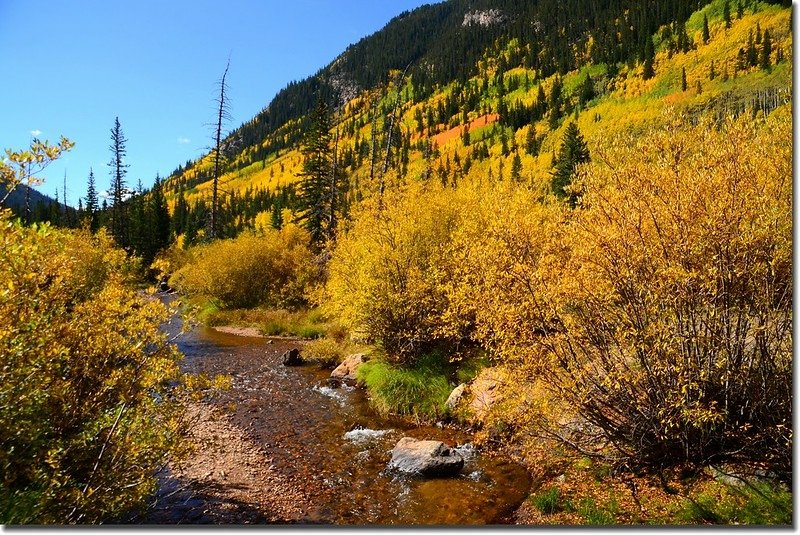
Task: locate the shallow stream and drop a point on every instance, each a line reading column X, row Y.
column 339, row 447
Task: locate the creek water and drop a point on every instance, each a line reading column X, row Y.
column 333, row 441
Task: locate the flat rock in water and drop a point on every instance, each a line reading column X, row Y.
column 429, row 458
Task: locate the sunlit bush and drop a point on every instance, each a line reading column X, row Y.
column 274, row 268
column 86, row 414
column 389, row 276
column 661, row 310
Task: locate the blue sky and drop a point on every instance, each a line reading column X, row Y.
column 71, row 67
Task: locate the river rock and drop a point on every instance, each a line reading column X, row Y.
column 429, row 458
column 346, row 371
column 292, row 357
column 485, row 390
column 454, row 397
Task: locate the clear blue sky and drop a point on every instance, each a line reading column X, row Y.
column 70, row 67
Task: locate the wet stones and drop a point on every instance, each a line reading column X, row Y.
column 292, row 357
column 455, row 396
column 428, row 458
column 346, row 371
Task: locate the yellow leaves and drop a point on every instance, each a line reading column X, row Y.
column 75, row 345
column 276, row 268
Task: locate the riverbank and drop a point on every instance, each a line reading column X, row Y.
column 282, row 446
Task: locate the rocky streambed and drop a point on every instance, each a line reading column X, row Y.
column 282, row 446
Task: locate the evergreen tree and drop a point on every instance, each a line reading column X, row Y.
column 766, row 50
column 277, row 216
column 752, row 52
column 516, row 168
column 119, row 222
column 531, row 141
column 573, row 152
column 313, row 194
column 554, row 103
column 139, row 237
column 586, row 90
column 706, row 33
column 684, row 85
column 91, row 203
column 158, row 218
column 179, row 217
column 739, row 10
column 649, row 58
column 726, row 13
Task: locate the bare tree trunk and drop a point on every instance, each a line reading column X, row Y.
column 334, row 188
column 221, row 114
column 391, row 127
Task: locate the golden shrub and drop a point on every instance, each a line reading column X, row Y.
column 86, row 410
column 661, row 309
column 275, row 268
column 389, row 275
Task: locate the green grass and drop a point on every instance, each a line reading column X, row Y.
column 419, row 392
column 304, row 323
column 548, row 501
column 598, row 515
column 755, row 503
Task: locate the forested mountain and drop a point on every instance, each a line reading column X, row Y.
column 42, row 207
column 505, row 74
column 443, row 42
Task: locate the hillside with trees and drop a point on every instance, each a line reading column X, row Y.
column 563, row 226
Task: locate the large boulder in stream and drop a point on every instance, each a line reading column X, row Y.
column 292, row 357
column 346, row 371
column 429, row 458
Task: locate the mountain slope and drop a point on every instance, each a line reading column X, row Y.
column 502, row 92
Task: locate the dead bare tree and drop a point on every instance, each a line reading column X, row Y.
column 223, row 114
column 391, row 127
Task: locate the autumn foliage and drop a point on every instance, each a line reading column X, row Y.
column 273, row 267
column 658, row 310
column 87, row 380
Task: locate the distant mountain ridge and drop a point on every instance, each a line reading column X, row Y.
column 444, row 42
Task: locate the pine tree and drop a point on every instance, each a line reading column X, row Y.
column 726, row 13
column 179, row 216
column 766, row 50
column 712, row 73
column 516, row 168
column 752, row 52
column 531, row 141
column 276, row 216
column 91, row 203
column 586, row 90
column 706, row 33
column 158, row 218
column 313, row 191
column 739, row 10
column 573, row 152
column 119, row 222
column 684, row 85
column 138, row 222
